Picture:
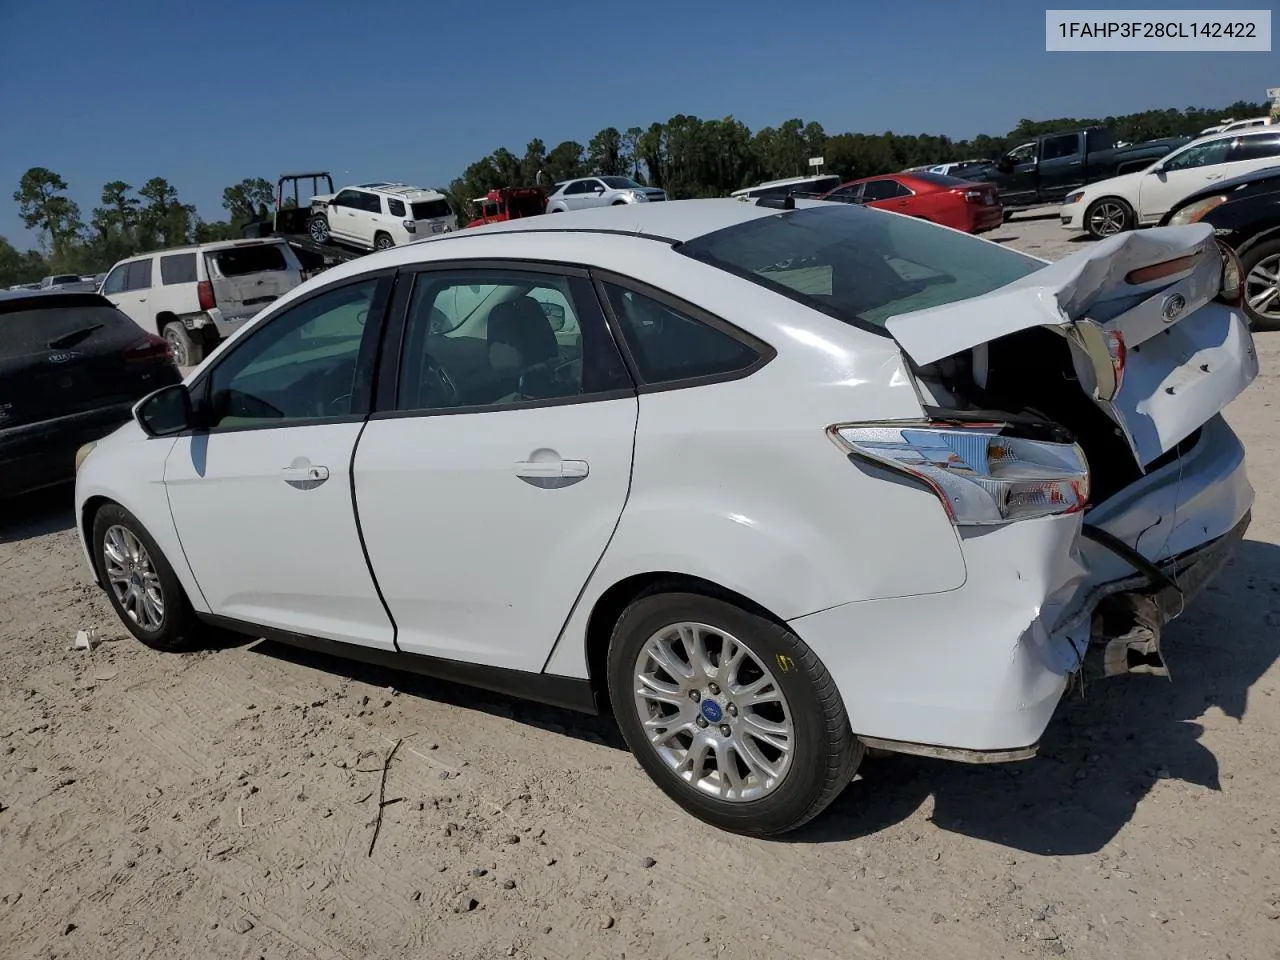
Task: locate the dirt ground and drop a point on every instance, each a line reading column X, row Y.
column 222, row 803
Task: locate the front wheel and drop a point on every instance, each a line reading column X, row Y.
column 319, row 228
column 1108, row 217
column 1261, row 269
column 140, row 583
column 729, row 712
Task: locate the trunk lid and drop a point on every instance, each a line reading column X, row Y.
column 431, row 216
column 1150, row 344
column 73, row 354
column 248, row 276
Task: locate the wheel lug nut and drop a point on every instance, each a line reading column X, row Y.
column 695, row 696
column 724, row 730
column 733, row 711
column 701, row 721
column 714, row 689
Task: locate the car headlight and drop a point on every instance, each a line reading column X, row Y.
column 1074, row 197
column 637, row 196
column 83, row 453
column 1192, row 212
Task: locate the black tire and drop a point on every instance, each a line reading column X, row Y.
column 1006, row 216
column 178, row 628
column 383, row 241
column 187, row 350
column 1256, row 255
column 1113, row 215
column 826, row 754
column 319, row 228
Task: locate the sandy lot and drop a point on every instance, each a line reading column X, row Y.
column 221, row 803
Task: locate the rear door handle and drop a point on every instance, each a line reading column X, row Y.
column 550, row 474
column 304, row 476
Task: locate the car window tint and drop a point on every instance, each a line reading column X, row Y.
column 395, row 207
column 178, row 268
column 1262, row 147
column 496, row 338
column 116, row 279
column 302, row 365
column 882, row 190
column 1055, row 148
column 1200, row 155
column 578, row 186
column 669, row 346
column 849, row 194
column 372, row 202
column 139, row 276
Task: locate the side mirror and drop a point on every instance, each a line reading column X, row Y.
column 554, row 314
column 165, row 412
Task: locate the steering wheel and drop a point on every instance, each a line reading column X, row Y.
column 435, row 387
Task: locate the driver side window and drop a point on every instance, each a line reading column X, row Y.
column 1201, row 155
column 302, row 365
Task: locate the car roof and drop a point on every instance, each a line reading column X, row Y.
column 12, row 299
column 675, row 221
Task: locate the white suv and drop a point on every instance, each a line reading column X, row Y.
column 194, row 297
column 378, row 216
column 600, row 192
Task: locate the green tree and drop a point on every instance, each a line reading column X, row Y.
column 604, row 153
column 165, row 221
column 564, row 162
column 44, row 206
column 243, row 200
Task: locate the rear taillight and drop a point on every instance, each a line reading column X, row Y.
column 1117, row 351
column 204, row 291
column 409, row 225
column 981, row 477
column 1232, row 290
column 151, row 349
column 972, row 196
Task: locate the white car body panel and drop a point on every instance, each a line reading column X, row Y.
column 933, row 634
column 1186, row 370
column 265, row 551
column 475, row 559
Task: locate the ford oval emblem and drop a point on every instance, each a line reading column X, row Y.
column 1172, row 307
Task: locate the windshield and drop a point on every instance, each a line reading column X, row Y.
column 621, row 183
column 860, row 266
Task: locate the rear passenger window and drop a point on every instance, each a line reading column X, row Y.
column 669, row 346
column 139, row 275
column 1256, row 148
column 178, row 268
column 395, row 207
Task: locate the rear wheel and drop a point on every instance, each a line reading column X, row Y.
column 319, row 228
column 729, row 712
column 1107, row 217
column 1261, row 269
column 140, row 583
column 383, row 241
column 187, row 350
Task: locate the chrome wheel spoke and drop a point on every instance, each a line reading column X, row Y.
column 713, row 712
column 133, row 578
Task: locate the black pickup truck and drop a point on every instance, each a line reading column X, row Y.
column 1049, row 167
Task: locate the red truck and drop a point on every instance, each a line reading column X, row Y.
column 508, row 203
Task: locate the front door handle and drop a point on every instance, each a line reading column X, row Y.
column 551, row 474
column 304, row 476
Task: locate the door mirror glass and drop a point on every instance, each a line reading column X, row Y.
column 166, row 412
column 554, row 314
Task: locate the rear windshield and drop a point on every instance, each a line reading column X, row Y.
column 66, row 278
column 858, row 265
column 941, row 180
column 261, row 258
column 31, row 330
column 431, row 209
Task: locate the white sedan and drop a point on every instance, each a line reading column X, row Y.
column 772, row 482
column 1122, row 203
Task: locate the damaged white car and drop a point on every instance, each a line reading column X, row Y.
column 771, row 482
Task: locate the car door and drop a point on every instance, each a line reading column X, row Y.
column 573, row 194
column 491, row 482
column 1061, row 167
column 887, row 194
column 344, row 215
column 369, row 218
column 262, row 498
column 1192, row 168
column 1017, row 175
column 128, row 287
column 1253, row 151
column 593, row 194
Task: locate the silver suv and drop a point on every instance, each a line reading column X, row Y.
column 600, row 192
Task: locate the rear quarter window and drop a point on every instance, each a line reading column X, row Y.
column 178, row 268
column 29, row 330
column 239, row 261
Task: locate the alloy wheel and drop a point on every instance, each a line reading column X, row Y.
column 1262, row 288
column 133, row 578
column 713, row 712
column 1107, row 219
column 179, row 345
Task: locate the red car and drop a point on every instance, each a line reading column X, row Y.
column 962, row 204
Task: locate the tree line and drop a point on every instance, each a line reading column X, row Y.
column 687, row 156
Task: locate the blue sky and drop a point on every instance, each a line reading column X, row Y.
column 205, row 94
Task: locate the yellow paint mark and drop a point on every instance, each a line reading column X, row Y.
column 785, row 663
